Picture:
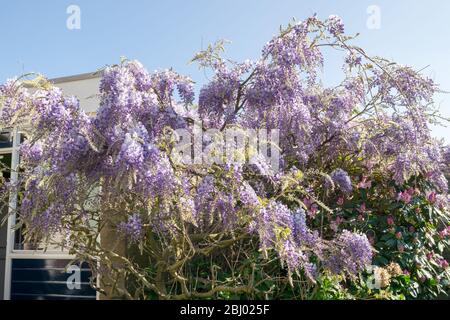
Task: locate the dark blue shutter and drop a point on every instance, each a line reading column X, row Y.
column 45, row 279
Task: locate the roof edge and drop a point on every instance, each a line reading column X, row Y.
column 77, row 77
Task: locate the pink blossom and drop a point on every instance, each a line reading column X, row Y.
column 432, row 197
column 443, row 233
column 311, row 207
column 364, row 183
column 362, row 208
column 390, row 221
column 405, row 197
column 398, row 235
column 313, row 210
column 308, row 202
column 340, row 201
column 335, row 224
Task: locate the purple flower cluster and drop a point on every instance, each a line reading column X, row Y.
column 402, row 85
column 217, row 99
column 354, row 255
column 131, row 152
column 14, row 101
column 286, row 232
column 133, row 228
column 165, row 82
column 31, row 153
column 335, row 25
column 446, row 155
column 342, row 180
column 302, row 234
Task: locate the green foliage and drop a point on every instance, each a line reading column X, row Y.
column 406, row 233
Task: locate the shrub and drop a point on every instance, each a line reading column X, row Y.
column 230, row 228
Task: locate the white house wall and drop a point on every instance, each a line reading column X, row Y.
column 85, row 90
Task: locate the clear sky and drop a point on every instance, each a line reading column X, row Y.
column 167, row 33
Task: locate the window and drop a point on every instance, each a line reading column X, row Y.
column 7, row 152
column 17, row 249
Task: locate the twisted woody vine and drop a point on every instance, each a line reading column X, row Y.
column 360, row 186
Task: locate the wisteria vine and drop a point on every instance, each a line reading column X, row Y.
column 81, row 174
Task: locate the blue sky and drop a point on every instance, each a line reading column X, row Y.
column 163, row 34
